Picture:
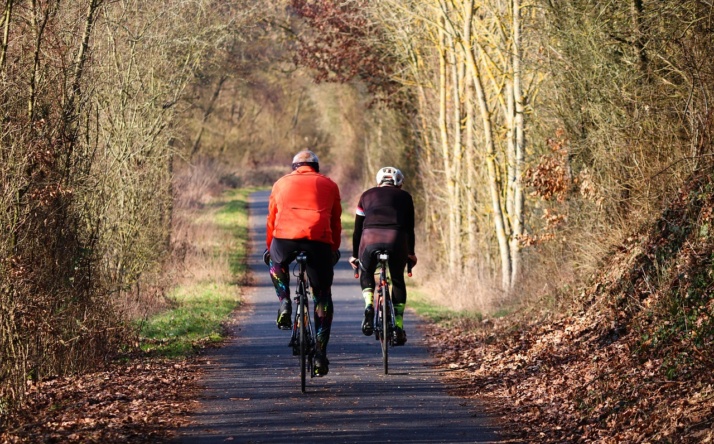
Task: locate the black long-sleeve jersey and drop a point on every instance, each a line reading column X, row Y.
column 385, row 207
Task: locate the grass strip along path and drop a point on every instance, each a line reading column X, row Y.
column 215, row 276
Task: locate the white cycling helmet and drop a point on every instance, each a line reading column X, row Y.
column 306, row 157
column 390, row 175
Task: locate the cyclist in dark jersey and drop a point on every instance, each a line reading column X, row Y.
column 384, row 221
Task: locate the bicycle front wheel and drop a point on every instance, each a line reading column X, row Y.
column 386, row 334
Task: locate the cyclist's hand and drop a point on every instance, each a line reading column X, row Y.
column 266, row 257
column 412, row 259
column 335, row 256
column 354, row 262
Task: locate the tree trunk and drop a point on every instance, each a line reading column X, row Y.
column 7, row 14
column 207, row 114
column 454, row 178
column 38, row 27
column 81, row 57
column 490, row 151
column 445, row 149
column 516, row 216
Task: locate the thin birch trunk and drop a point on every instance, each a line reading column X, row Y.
column 471, row 222
column 470, row 192
column 490, row 151
column 454, row 178
column 510, row 119
column 518, row 205
column 445, row 149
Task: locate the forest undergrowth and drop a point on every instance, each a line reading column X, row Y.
column 630, row 361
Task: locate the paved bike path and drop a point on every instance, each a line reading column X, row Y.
column 252, row 385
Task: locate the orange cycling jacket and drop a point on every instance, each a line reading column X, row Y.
column 305, row 205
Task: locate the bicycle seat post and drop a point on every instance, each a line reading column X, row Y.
column 301, row 258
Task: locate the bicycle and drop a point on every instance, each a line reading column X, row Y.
column 385, row 328
column 302, row 339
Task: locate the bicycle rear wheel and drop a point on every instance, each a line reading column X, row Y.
column 303, row 337
column 386, row 334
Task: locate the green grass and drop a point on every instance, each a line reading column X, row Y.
column 200, row 309
column 234, row 217
column 439, row 314
column 196, row 320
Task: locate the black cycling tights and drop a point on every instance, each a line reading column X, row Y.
column 396, row 271
column 319, row 272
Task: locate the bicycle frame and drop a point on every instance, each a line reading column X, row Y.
column 302, row 340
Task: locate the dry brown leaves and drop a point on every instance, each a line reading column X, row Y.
column 558, row 382
column 141, row 402
column 632, row 362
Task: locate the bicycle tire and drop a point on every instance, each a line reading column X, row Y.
column 386, row 334
column 302, row 337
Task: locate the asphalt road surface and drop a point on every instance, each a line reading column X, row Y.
column 252, row 386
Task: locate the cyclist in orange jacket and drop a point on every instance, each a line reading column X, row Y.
column 384, row 221
column 304, row 215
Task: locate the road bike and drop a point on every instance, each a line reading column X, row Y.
column 302, row 340
column 385, row 328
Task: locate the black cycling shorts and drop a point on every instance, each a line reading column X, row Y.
column 319, row 259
